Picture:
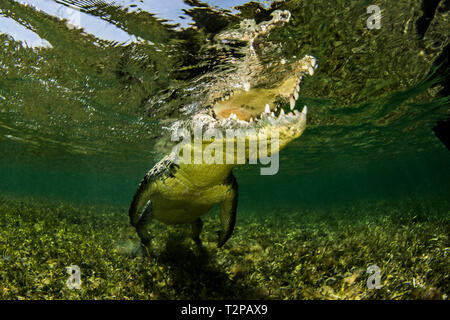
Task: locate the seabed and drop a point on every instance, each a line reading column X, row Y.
column 315, row 253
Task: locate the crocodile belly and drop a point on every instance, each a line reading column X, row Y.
column 178, row 211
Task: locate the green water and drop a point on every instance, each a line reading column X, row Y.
column 79, row 120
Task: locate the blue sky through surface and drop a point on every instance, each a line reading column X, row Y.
column 171, row 10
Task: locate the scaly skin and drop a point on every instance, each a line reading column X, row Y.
column 174, row 192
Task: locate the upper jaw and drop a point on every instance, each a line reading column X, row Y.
column 257, row 106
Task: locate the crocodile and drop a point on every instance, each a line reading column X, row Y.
column 180, row 192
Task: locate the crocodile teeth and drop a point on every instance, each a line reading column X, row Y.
column 267, row 109
column 310, row 70
column 305, row 110
column 292, row 103
column 251, row 120
column 282, row 112
column 272, row 114
column 296, row 95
